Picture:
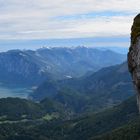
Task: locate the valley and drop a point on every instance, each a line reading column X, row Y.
column 110, row 123
column 39, row 103
column 69, row 70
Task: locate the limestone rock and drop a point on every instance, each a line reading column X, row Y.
column 134, row 56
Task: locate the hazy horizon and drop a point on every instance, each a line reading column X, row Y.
column 91, row 23
column 6, row 45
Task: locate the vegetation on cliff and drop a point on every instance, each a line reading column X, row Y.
column 135, row 31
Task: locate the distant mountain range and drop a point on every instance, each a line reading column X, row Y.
column 121, row 50
column 33, row 67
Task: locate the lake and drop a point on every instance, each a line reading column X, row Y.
column 14, row 92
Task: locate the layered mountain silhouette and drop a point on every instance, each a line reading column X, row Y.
column 76, row 97
column 33, row 67
column 104, row 88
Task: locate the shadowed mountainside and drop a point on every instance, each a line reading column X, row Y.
column 104, row 88
column 107, row 125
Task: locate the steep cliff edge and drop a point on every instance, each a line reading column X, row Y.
column 134, row 56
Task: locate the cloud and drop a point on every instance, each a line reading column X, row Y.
column 44, row 19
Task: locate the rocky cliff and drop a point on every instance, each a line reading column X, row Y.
column 134, row 56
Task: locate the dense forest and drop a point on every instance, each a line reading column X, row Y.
column 34, row 121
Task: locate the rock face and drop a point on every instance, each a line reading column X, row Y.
column 134, row 56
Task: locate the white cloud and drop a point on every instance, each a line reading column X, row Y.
column 35, row 19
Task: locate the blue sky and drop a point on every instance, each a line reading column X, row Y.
column 47, row 21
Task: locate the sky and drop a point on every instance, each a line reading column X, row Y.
column 52, row 21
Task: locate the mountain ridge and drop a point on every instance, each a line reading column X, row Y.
column 102, row 89
column 33, row 67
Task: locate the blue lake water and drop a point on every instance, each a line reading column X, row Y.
column 14, row 92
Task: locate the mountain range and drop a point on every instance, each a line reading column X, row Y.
column 102, row 89
column 79, row 95
column 26, row 67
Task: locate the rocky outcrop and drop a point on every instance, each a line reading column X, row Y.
column 134, row 56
